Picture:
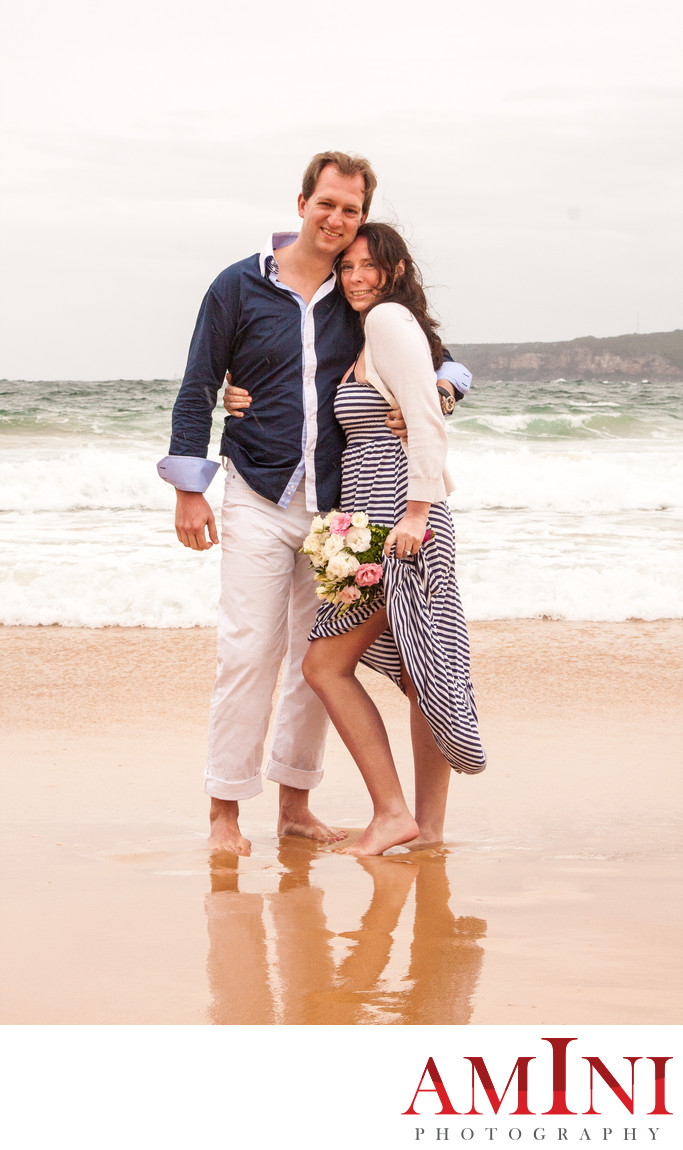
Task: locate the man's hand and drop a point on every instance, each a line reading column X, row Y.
column 447, row 403
column 235, row 399
column 193, row 518
column 394, row 420
column 396, row 423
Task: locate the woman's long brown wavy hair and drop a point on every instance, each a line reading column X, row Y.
column 387, row 248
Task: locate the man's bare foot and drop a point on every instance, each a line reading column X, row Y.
column 305, row 823
column 296, row 819
column 383, row 832
column 423, row 841
column 225, row 834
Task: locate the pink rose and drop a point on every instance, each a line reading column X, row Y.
column 348, row 594
column 340, row 523
column 429, row 534
column 368, row 574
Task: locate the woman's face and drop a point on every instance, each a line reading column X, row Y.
column 360, row 277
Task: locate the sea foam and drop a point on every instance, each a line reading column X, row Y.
column 559, row 479
column 163, row 587
column 568, row 504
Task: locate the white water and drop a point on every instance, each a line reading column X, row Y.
column 560, row 513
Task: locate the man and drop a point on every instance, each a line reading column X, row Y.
column 277, row 324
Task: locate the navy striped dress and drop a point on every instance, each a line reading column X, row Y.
column 427, row 631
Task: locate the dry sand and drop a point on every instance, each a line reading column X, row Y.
column 555, row 899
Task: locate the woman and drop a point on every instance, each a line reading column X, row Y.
column 415, row 631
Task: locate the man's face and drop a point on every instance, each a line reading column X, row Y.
column 333, row 214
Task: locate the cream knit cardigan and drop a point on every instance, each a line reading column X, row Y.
column 398, row 363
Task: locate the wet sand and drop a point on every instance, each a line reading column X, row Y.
column 554, row 900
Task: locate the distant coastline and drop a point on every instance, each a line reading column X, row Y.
column 656, row 357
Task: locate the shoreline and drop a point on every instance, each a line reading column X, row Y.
column 553, row 900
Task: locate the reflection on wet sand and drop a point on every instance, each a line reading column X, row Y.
column 273, row 959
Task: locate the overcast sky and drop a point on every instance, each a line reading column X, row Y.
column 530, row 150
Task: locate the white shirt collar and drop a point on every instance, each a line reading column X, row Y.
column 266, row 261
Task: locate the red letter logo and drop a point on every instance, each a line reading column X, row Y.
column 521, row 1068
column 437, row 1088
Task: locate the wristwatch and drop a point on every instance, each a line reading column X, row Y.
column 447, row 400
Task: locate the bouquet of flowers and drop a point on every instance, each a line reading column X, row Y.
column 346, row 555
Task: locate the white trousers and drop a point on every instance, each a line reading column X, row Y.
column 266, row 610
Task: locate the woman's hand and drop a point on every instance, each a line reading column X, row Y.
column 235, row 399
column 408, row 534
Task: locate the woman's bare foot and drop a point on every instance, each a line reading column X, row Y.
column 383, row 832
column 225, row 834
column 296, row 819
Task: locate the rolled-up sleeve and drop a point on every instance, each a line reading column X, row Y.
column 187, row 472
column 457, row 374
column 186, row 466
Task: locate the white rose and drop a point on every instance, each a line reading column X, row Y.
column 359, row 519
column 340, row 566
column 358, row 538
column 313, row 549
column 328, row 518
column 322, row 593
column 317, row 524
column 322, row 537
column 333, row 546
column 311, row 544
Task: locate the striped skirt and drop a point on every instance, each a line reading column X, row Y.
column 427, row 634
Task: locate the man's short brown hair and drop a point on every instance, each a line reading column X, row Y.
column 347, row 166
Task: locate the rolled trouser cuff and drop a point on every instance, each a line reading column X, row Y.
column 292, row 776
column 232, row 791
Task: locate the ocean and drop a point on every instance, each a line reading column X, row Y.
column 569, row 504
